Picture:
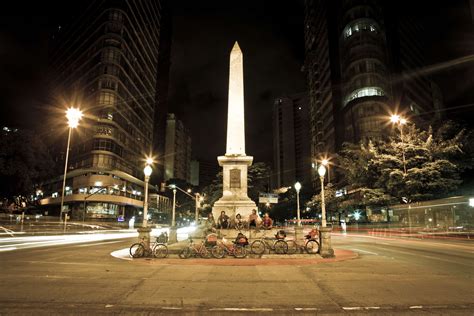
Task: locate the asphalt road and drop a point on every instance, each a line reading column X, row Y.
column 390, row 276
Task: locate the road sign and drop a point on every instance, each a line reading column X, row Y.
column 271, row 198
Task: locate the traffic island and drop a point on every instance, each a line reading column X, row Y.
column 251, row 260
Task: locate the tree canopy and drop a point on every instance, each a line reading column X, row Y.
column 433, row 160
column 24, row 162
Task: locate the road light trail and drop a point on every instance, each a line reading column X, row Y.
column 28, row 242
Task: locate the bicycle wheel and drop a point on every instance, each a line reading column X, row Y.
column 281, row 247
column 292, row 247
column 257, row 247
column 137, row 250
column 218, row 252
column 185, row 253
column 160, row 251
column 205, row 253
column 240, row 252
column 312, row 247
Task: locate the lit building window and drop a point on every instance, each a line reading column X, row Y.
column 364, row 92
column 360, row 25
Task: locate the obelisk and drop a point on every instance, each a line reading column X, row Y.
column 235, row 162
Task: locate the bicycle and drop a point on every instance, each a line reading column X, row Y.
column 311, row 246
column 139, row 249
column 195, row 250
column 259, row 245
column 222, row 249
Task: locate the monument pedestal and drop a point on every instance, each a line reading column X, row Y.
column 234, row 198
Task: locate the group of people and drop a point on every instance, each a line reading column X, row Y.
column 224, row 221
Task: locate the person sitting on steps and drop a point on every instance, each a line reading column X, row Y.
column 253, row 219
column 223, row 221
column 267, row 222
column 238, row 222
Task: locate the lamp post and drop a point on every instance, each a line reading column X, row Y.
column 173, row 216
column 322, row 172
column 144, row 231
column 298, row 188
column 400, row 121
column 173, row 236
column 73, row 116
column 147, row 171
column 326, row 250
column 196, row 214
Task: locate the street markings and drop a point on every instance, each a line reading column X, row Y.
column 235, row 309
column 365, row 251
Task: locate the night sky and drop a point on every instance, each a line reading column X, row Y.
column 271, row 38
column 270, row 34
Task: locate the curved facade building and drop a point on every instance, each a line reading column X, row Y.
column 364, row 71
column 364, row 61
column 106, row 63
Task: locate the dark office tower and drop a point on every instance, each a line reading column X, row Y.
column 161, row 108
column 291, row 147
column 323, row 75
column 106, row 62
column 177, row 158
column 413, row 92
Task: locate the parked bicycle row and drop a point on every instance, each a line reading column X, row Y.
column 211, row 246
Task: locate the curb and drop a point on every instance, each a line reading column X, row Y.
column 266, row 260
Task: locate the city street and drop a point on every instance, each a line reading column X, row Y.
column 390, row 276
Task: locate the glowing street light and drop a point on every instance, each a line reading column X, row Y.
column 325, row 162
column 147, row 171
column 400, row 121
column 298, row 188
column 322, row 172
column 73, row 116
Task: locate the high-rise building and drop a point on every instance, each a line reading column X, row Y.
column 363, row 62
column 291, row 142
column 177, row 157
column 106, row 62
column 194, row 177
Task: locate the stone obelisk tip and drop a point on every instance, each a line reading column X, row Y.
column 236, row 47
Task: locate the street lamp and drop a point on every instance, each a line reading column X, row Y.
column 298, row 188
column 322, row 172
column 147, row 171
column 325, row 162
column 173, row 214
column 199, row 199
column 400, row 121
column 73, row 116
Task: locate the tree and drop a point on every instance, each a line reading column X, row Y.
column 24, row 163
column 433, row 160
